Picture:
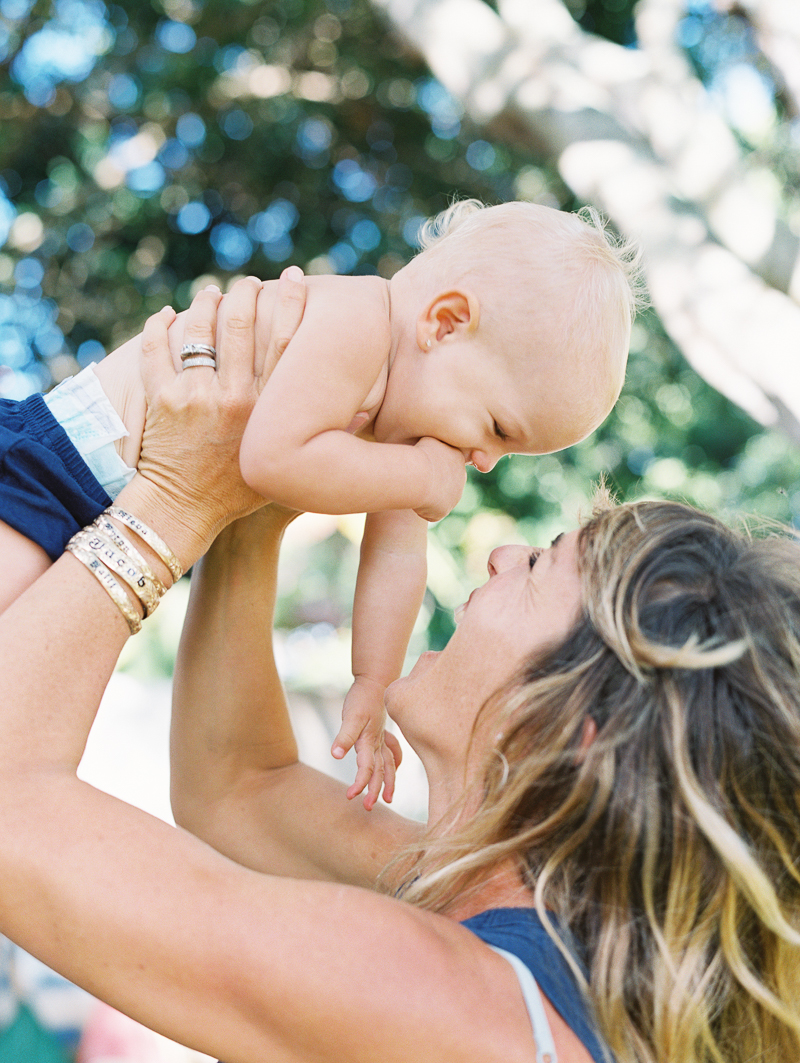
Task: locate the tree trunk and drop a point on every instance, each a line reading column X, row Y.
column 636, row 133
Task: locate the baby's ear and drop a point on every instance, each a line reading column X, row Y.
column 454, row 313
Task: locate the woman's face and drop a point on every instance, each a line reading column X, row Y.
column 532, row 599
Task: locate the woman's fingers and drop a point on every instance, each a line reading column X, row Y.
column 157, row 367
column 236, row 338
column 287, row 314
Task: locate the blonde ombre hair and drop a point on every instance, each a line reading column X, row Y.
column 670, row 847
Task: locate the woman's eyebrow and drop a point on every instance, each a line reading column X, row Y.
column 559, row 536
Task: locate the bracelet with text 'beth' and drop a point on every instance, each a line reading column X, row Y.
column 109, row 582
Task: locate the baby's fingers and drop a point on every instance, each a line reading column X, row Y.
column 392, row 755
column 346, row 738
column 370, row 774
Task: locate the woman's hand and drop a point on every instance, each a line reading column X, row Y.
column 188, row 485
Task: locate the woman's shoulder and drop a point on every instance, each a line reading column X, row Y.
column 521, row 932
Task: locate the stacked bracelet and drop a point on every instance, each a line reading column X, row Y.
column 111, row 557
column 110, row 583
column 155, row 542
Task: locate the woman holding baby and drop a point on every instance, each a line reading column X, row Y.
column 612, row 742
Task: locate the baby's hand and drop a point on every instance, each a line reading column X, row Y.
column 447, row 478
column 378, row 752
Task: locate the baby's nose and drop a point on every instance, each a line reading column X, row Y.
column 481, row 460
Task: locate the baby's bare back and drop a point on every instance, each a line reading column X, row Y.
column 120, row 372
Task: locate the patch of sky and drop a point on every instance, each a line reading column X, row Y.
column 313, row 141
column 444, row 110
column 8, row 213
column 639, row 460
column 236, row 124
column 146, row 180
column 193, row 218
column 232, row 246
column 411, row 229
column 365, row 235
column 227, row 58
column 274, row 223
column 28, row 273
column 49, row 340
column 66, row 48
column 190, row 130
column 80, row 238
column 175, row 37
column 173, row 155
column 355, row 183
column 15, row 10
column 90, row 351
column 123, row 91
column 278, row 250
column 343, row 257
column 481, row 155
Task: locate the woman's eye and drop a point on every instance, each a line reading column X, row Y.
column 532, row 558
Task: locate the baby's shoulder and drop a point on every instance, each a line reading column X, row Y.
column 358, row 306
column 370, row 293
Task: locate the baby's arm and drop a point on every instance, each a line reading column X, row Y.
column 297, row 450
column 389, row 592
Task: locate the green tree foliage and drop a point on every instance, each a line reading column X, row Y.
column 144, row 146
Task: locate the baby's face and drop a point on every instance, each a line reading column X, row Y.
column 484, row 403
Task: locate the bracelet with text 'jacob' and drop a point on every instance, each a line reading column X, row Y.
column 121, row 566
column 109, row 531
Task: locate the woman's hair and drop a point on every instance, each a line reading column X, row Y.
column 668, row 847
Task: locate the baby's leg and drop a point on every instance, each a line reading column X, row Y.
column 120, row 375
column 21, row 564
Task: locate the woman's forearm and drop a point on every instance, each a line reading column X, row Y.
column 236, row 779
column 229, row 709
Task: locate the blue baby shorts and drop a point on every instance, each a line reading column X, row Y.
column 46, row 489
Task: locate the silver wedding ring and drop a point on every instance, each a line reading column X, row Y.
column 190, row 349
column 198, row 360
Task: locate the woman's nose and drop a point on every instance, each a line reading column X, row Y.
column 503, row 558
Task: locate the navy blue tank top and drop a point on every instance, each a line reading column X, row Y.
column 520, row 931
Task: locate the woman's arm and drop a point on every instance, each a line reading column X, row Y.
column 236, row 779
column 238, row 964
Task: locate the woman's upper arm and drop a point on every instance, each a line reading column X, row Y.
column 296, row 821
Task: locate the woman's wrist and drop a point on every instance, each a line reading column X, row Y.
column 181, row 532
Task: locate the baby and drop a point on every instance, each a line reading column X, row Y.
column 508, row 333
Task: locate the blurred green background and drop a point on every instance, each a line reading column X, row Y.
column 146, row 145
column 147, row 148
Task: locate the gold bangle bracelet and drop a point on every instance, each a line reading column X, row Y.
column 153, row 540
column 110, row 532
column 121, row 566
column 109, row 582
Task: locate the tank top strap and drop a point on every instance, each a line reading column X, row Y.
column 542, row 1034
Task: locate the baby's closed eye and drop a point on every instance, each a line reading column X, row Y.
column 498, row 431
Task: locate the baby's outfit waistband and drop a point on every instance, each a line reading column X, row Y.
column 84, row 411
